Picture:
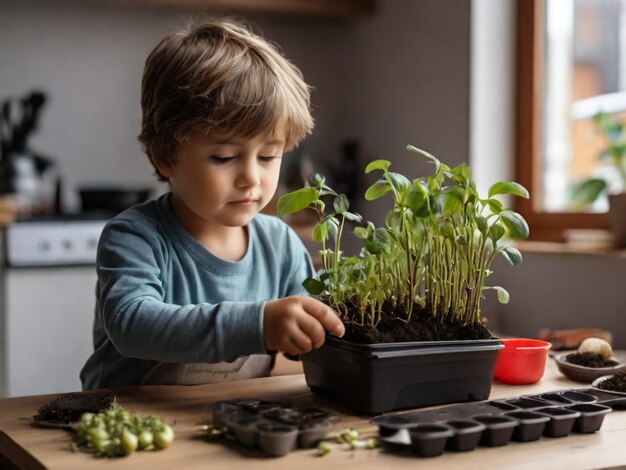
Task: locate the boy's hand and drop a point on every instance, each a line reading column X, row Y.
column 297, row 324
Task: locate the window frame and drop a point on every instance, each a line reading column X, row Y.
column 549, row 226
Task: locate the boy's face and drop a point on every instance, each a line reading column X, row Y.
column 223, row 180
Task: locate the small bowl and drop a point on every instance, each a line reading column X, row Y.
column 522, row 361
column 587, row 374
column 596, row 385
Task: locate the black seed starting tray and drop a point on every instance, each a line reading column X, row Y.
column 463, row 427
column 275, row 427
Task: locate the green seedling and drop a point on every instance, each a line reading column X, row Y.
column 434, row 252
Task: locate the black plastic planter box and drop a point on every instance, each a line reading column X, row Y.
column 373, row 378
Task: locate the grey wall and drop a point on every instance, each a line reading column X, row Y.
column 400, row 76
column 560, row 291
column 410, row 84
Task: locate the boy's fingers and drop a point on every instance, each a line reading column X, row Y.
column 313, row 329
column 301, row 341
column 290, row 348
column 326, row 316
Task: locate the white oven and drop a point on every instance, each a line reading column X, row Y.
column 47, row 298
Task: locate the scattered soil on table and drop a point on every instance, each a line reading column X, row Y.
column 68, row 408
column 422, row 327
column 589, row 360
column 617, row 383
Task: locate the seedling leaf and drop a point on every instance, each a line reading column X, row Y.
column 341, row 204
column 377, row 165
column 377, row 190
column 431, row 157
column 515, row 223
column 314, row 286
column 508, row 187
column 512, row 255
column 296, row 200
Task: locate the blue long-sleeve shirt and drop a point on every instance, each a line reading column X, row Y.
column 162, row 297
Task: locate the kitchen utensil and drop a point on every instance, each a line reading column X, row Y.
column 30, row 177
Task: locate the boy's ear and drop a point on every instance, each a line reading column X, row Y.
column 164, row 169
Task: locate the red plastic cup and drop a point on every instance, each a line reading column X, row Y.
column 521, row 361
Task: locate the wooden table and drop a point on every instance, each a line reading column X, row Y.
column 188, row 407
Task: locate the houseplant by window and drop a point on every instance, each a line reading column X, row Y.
column 411, row 299
column 612, row 181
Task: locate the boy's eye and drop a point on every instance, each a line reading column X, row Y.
column 267, row 159
column 220, row 160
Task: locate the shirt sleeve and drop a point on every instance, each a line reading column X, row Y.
column 300, row 268
column 141, row 325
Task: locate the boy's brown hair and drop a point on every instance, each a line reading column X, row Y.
column 218, row 75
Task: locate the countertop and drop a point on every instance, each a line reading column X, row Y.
column 186, row 408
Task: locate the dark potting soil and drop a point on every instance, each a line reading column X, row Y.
column 617, row 383
column 422, row 327
column 68, row 408
column 588, row 359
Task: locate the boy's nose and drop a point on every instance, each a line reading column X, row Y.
column 249, row 175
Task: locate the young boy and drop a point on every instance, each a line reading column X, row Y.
column 197, row 286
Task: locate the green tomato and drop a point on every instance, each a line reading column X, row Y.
column 164, row 437
column 103, row 447
column 129, row 442
column 123, row 415
column 145, row 439
column 97, row 436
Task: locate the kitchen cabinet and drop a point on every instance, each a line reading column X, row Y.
column 47, row 300
column 48, row 329
column 303, row 8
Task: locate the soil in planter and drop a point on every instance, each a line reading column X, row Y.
column 422, row 327
column 617, row 383
column 588, row 359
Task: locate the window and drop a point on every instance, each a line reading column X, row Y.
column 571, row 65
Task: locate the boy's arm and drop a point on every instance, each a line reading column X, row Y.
column 141, row 325
column 296, row 323
column 301, row 265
